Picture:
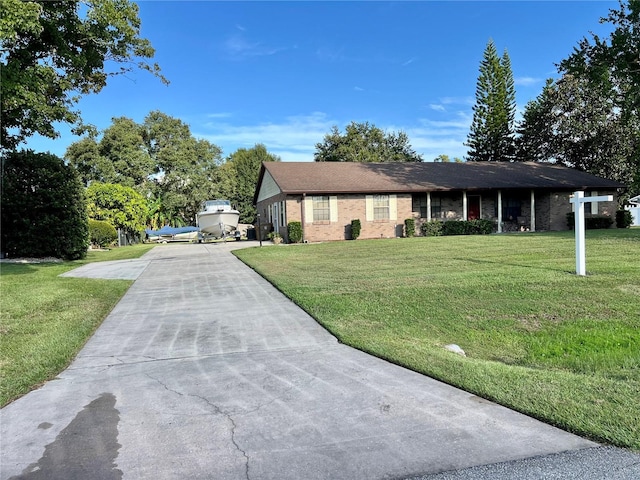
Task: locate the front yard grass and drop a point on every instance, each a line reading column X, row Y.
column 45, row 319
column 539, row 339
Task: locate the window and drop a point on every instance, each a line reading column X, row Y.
column 420, row 205
column 321, row 210
column 381, row 207
column 591, row 207
column 282, row 214
column 436, row 206
column 511, row 208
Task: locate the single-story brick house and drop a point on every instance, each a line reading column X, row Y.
column 326, row 196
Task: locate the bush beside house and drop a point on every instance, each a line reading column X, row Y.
column 594, row 222
column 624, row 219
column 409, row 227
column 294, row 232
column 436, row 228
column 356, row 225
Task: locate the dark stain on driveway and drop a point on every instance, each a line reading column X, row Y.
column 86, row 448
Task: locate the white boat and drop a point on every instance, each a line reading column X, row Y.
column 218, row 218
column 173, row 234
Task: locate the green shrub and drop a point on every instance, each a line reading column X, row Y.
column 102, row 233
column 454, row 227
column 355, row 229
column 468, row 227
column 591, row 223
column 294, row 230
column 624, row 219
column 410, row 227
column 480, row 227
column 432, row 228
column 43, row 207
column 600, row 221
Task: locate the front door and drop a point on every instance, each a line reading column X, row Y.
column 473, row 207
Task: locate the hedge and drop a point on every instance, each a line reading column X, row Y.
column 590, row 223
column 456, row 227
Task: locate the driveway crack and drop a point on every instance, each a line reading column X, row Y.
column 216, row 411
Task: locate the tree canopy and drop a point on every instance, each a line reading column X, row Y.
column 238, row 178
column 118, row 205
column 446, row 159
column 363, row 142
column 614, row 60
column 53, row 53
column 612, row 65
column 589, row 119
column 492, row 133
column 578, row 126
column 160, row 159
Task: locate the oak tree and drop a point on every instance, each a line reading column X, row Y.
column 364, row 142
column 53, row 53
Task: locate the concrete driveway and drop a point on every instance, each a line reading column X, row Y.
column 205, row 371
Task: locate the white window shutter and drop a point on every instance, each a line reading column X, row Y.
column 308, row 210
column 333, row 209
column 369, row 207
column 393, row 207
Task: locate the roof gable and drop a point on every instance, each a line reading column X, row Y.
column 350, row 177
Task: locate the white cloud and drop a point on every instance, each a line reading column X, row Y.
column 218, row 115
column 431, row 138
column 409, row 62
column 293, row 139
column 238, row 46
column 457, row 100
column 437, row 107
column 527, row 81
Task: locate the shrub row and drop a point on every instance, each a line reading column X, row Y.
column 591, row 223
column 436, row 228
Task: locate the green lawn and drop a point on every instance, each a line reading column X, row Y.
column 539, row 339
column 45, row 319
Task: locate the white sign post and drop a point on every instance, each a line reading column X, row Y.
column 578, row 199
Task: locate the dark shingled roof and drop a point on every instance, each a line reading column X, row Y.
column 349, row 177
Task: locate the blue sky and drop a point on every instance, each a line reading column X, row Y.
column 283, row 73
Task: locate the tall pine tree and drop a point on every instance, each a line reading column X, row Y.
column 492, row 134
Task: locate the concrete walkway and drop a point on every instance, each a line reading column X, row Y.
column 205, row 371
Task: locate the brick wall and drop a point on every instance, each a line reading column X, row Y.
column 551, row 213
